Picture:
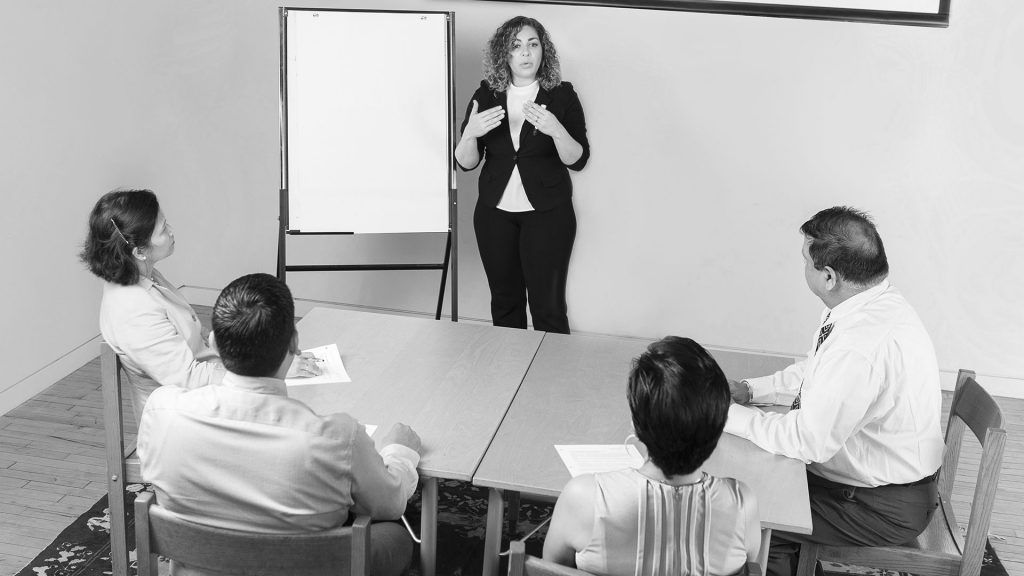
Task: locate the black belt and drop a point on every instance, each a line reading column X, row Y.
column 925, row 480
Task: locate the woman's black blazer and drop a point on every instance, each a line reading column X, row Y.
column 545, row 178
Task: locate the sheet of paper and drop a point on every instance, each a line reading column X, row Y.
column 333, row 368
column 591, row 458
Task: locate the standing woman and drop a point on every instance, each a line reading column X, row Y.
column 528, row 127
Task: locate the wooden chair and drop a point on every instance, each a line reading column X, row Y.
column 335, row 552
column 122, row 462
column 522, row 564
column 940, row 549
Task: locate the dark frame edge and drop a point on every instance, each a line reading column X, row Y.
column 939, row 19
column 453, row 191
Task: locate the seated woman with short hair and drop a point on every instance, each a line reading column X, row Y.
column 143, row 317
column 666, row 517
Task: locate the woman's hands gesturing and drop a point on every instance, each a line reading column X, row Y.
column 481, row 123
column 542, row 120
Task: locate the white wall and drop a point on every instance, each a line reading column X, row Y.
column 102, row 94
column 713, row 138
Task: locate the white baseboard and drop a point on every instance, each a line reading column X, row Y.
column 1004, row 386
column 995, row 385
column 28, row 387
column 208, row 296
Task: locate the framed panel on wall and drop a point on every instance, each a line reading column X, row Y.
column 905, row 12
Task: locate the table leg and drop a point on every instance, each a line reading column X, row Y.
column 428, row 527
column 492, row 541
column 513, row 513
column 762, row 557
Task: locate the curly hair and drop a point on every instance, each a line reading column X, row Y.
column 120, row 221
column 496, row 71
column 679, row 401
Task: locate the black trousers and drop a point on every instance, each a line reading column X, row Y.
column 844, row 515
column 527, row 253
column 391, row 547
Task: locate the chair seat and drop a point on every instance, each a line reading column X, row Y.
column 941, row 550
column 937, row 550
column 942, row 536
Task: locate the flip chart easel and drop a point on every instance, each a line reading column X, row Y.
column 367, row 129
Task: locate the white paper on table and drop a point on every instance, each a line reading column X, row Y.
column 592, row 458
column 332, row 366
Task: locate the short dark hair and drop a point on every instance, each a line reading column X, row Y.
column 253, row 324
column 846, row 240
column 120, row 221
column 679, row 400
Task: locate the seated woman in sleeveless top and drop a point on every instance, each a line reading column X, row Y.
column 666, row 517
column 143, row 317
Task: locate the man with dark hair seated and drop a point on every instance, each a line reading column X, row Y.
column 242, row 455
column 866, row 402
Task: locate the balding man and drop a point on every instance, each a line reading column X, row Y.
column 866, row 402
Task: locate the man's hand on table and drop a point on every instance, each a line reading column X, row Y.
column 740, row 392
column 404, row 435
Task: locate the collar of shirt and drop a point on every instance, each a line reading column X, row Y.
column 854, row 302
column 259, row 385
column 156, row 281
column 147, row 283
column 168, row 291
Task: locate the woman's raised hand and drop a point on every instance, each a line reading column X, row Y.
column 541, row 119
column 481, row 123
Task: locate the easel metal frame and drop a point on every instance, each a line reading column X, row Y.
column 451, row 250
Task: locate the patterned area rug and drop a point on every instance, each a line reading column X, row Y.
column 83, row 548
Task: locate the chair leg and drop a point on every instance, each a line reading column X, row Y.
column 808, row 559
column 118, row 526
column 516, row 558
column 145, row 563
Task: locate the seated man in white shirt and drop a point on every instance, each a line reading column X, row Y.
column 244, row 456
column 866, row 402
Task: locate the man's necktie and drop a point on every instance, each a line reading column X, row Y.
column 823, row 335
column 826, row 329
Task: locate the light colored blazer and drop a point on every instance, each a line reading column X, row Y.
column 158, row 337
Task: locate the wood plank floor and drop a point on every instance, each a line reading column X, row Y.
column 52, row 469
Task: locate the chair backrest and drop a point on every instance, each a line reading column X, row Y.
column 522, row 564
column 120, row 470
column 974, row 409
column 112, row 379
column 338, row 551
